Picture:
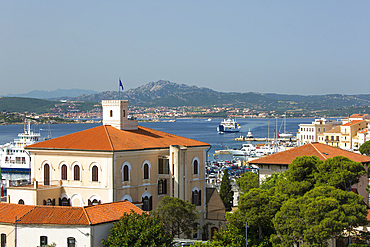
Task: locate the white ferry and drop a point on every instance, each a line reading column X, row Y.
column 228, row 125
column 13, row 157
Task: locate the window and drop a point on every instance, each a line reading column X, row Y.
column 21, row 202
column 64, row 172
column 162, row 186
column 126, row 173
column 111, row 113
column 124, row 113
column 3, row 239
column 163, row 166
column 195, row 166
column 196, row 197
column 46, row 174
column 76, row 173
column 64, row 202
column 43, row 241
column 147, row 203
column 71, row 242
column 146, row 171
column 49, row 202
column 94, row 173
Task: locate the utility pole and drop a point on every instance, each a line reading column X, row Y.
column 246, row 234
column 15, row 231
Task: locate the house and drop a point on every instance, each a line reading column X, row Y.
column 116, row 161
column 26, row 225
column 309, row 132
column 279, row 162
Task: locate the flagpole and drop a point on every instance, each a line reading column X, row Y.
column 119, row 89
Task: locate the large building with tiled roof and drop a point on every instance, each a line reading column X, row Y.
column 77, row 226
column 279, row 162
column 115, row 161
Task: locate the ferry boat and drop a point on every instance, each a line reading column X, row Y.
column 228, row 125
column 13, row 157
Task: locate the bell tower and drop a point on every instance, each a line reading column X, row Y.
column 115, row 113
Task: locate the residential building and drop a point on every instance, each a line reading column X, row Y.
column 308, row 133
column 349, row 131
column 25, row 225
column 330, row 137
column 279, row 162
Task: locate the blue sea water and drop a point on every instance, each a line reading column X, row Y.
column 198, row 129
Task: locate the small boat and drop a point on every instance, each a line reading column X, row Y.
column 228, row 125
column 285, row 134
column 249, row 134
column 209, row 119
column 245, row 150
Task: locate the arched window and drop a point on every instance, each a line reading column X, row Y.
column 46, row 174
column 21, row 202
column 71, row 242
column 76, row 173
column 126, row 176
column 195, row 167
column 3, row 239
column 147, row 203
column 65, row 202
column 146, row 171
column 43, row 241
column 196, row 198
column 64, row 172
column 94, row 174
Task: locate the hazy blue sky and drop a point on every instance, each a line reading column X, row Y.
column 292, row 47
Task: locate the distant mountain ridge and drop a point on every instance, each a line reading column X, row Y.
column 166, row 93
column 58, row 93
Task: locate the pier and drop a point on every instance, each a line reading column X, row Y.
column 291, row 139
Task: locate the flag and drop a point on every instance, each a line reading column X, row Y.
column 120, row 84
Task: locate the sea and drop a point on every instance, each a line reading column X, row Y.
column 198, row 129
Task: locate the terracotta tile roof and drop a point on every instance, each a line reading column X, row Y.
column 108, row 138
column 336, row 129
column 368, row 215
column 357, row 115
column 352, row 122
column 58, row 215
column 320, row 150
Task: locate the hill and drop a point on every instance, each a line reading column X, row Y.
column 58, row 93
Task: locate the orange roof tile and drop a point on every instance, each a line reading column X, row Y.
column 357, row 115
column 108, row 138
column 352, row 122
column 58, row 215
column 320, row 150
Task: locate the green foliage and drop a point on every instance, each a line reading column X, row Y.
column 271, row 181
column 317, row 216
column 178, row 216
column 365, row 148
column 259, row 207
column 247, row 181
column 339, row 172
column 226, row 192
column 138, row 230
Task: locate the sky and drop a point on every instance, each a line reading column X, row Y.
column 286, row 47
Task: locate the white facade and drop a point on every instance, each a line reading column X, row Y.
column 308, row 133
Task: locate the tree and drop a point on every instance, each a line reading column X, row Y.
column 226, row 193
column 365, row 148
column 259, row 207
column 247, row 181
column 178, row 216
column 317, row 216
column 138, row 230
column 340, row 172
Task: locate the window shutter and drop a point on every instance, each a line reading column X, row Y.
column 159, row 186
column 44, row 202
column 192, row 197
column 200, row 198
column 164, row 186
column 150, row 203
column 69, row 201
column 60, row 201
column 53, row 202
column 89, row 202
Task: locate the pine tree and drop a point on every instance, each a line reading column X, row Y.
column 226, row 194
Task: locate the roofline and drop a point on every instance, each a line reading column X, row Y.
column 108, row 151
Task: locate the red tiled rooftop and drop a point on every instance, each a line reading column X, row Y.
column 352, row 122
column 58, row 215
column 108, row 138
column 320, row 150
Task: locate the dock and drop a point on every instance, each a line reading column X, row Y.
column 293, row 139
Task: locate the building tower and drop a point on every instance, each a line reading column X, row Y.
column 115, row 113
